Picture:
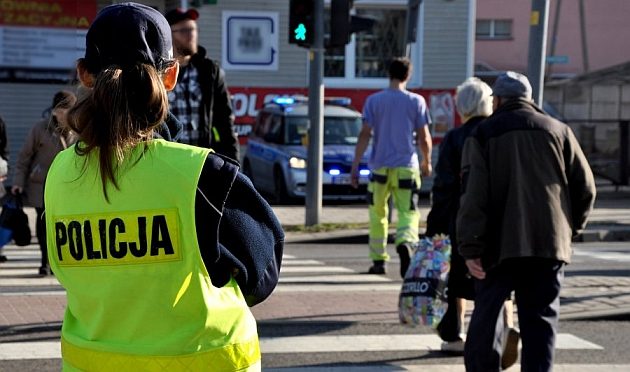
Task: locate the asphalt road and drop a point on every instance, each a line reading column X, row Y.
column 327, row 316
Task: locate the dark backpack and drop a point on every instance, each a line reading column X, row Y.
column 14, row 219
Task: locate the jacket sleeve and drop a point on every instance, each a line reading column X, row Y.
column 4, row 148
column 223, row 119
column 445, row 189
column 251, row 240
column 581, row 182
column 25, row 157
column 472, row 216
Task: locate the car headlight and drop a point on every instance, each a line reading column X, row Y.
column 297, row 163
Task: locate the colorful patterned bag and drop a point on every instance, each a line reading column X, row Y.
column 423, row 294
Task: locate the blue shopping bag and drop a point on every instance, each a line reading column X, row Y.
column 5, row 236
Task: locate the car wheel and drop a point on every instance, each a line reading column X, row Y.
column 280, row 187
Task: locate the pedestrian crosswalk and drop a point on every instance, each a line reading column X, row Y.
column 450, row 368
column 19, row 275
column 300, row 278
column 371, row 343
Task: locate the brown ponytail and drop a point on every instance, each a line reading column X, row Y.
column 120, row 112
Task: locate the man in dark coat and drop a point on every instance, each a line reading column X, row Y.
column 200, row 100
column 527, row 189
column 473, row 100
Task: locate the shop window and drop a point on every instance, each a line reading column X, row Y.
column 375, row 47
column 494, row 29
column 370, row 50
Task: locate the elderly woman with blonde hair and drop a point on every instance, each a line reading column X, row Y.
column 473, row 101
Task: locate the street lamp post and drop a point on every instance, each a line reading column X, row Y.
column 537, row 48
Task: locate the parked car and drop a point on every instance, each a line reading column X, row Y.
column 276, row 155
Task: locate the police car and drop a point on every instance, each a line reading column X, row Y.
column 275, row 159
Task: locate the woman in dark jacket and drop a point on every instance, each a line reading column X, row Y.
column 44, row 141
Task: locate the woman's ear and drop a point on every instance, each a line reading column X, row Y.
column 169, row 76
column 85, row 77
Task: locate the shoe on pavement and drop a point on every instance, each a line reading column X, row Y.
column 510, row 348
column 377, row 268
column 404, row 251
column 453, row 347
column 3, row 258
column 44, row 271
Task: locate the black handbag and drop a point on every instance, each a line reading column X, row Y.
column 14, row 219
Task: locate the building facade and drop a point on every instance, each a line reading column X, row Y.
column 582, row 36
column 587, row 81
column 250, row 40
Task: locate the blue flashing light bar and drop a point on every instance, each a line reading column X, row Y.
column 364, row 172
column 284, row 100
column 339, row 101
column 334, row 172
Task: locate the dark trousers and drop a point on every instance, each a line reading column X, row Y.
column 460, row 285
column 536, row 283
column 450, row 327
column 40, row 230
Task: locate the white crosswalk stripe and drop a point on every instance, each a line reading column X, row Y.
column 450, row 368
column 366, row 343
column 603, row 255
column 349, row 280
column 299, row 344
column 19, row 275
column 334, row 278
column 308, row 269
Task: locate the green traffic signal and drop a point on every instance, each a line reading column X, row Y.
column 300, row 32
column 301, row 17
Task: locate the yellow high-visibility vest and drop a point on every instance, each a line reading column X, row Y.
column 139, row 295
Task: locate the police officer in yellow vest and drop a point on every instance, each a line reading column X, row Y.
column 148, row 236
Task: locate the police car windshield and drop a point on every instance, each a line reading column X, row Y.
column 337, row 130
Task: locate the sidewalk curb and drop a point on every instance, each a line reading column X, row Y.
column 597, row 314
column 357, row 236
column 341, row 236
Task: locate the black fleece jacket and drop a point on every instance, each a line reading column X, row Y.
column 249, row 241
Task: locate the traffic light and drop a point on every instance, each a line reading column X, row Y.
column 342, row 24
column 301, row 22
column 411, row 26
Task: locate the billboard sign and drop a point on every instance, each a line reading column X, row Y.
column 42, row 39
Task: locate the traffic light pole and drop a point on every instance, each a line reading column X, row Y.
column 314, row 165
column 537, row 48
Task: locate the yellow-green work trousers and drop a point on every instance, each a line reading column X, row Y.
column 403, row 184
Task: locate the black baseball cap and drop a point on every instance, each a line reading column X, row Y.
column 125, row 34
column 178, row 15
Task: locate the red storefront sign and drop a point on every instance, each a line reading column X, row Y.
column 42, row 39
column 48, row 13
